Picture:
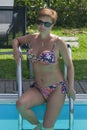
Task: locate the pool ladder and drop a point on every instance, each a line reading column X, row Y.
column 19, row 84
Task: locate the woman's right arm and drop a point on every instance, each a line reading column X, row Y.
column 18, row 42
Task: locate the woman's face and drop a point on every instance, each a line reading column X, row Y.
column 44, row 24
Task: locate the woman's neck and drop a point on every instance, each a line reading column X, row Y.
column 44, row 36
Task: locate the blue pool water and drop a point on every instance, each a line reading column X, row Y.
column 9, row 117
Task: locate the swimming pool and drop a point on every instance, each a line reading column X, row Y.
column 9, row 116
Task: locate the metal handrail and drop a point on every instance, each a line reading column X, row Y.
column 71, row 102
column 19, row 84
column 71, row 114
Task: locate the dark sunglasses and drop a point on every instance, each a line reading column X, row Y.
column 46, row 24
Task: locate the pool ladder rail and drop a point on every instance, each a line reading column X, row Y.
column 19, row 84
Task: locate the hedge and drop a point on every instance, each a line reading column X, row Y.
column 72, row 13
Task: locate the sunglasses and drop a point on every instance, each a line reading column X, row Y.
column 46, row 24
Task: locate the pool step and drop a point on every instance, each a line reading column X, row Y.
column 12, row 98
column 59, row 125
column 55, row 129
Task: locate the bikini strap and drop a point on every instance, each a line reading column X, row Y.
column 53, row 47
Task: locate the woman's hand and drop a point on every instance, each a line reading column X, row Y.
column 17, row 54
column 71, row 93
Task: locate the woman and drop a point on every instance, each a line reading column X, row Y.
column 49, row 85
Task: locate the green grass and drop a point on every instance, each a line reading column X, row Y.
column 79, row 56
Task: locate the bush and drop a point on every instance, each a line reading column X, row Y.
column 72, row 13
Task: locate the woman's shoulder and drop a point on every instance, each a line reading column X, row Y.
column 60, row 43
column 57, row 39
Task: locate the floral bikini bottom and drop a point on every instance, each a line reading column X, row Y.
column 46, row 91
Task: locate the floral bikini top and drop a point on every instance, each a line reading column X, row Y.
column 46, row 57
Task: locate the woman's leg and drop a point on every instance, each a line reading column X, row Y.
column 54, row 105
column 29, row 99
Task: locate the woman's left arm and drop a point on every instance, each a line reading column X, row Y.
column 63, row 50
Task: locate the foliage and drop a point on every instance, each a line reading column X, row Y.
column 71, row 12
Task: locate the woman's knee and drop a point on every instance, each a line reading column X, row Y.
column 19, row 104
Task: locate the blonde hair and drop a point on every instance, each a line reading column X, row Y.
column 48, row 12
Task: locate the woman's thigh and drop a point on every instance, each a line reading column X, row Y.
column 31, row 98
column 54, row 106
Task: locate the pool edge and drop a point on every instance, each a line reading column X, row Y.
column 12, row 98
